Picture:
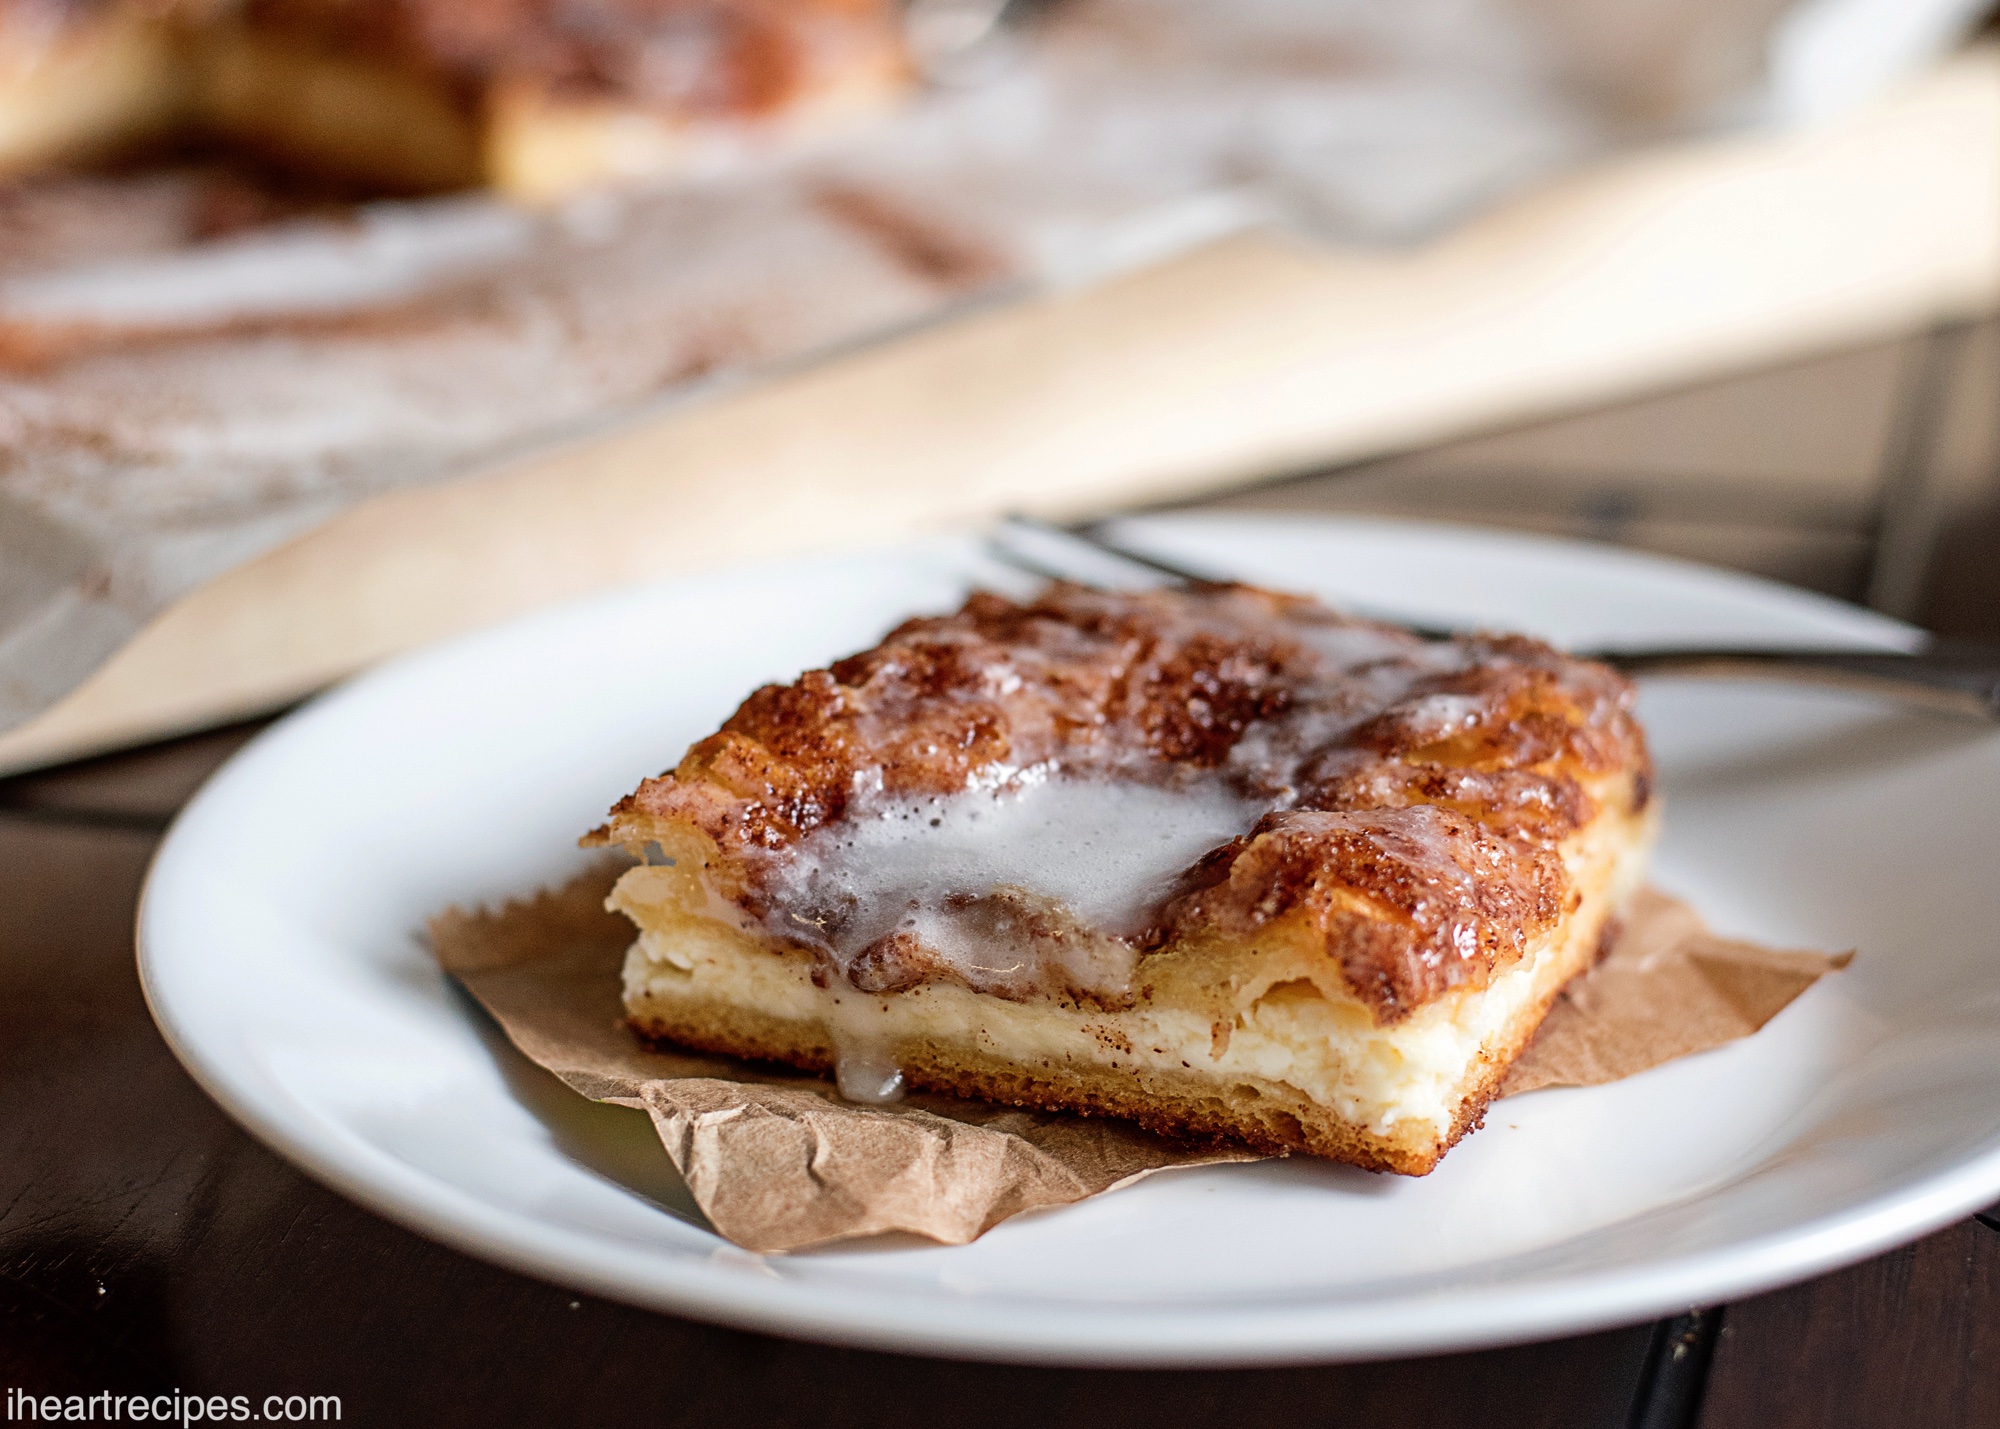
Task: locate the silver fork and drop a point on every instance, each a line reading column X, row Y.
column 1958, row 676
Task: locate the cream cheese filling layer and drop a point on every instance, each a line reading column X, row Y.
column 1290, row 1023
column 1288, row 1033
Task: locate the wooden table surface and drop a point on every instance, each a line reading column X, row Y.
column 146, row 1243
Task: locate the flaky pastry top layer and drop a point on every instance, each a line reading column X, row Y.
column 1409, row 797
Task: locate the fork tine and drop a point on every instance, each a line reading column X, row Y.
column 1087, row 541
column 1000, row 551
column 1090, row 534
column 1060, row 553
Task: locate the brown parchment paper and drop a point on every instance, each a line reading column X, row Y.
column 1668, row 987
column 780, row 1162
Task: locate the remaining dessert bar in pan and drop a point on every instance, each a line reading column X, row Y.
column 84, row 80
column 531, row 97
column 1212, row 858
column 537, row 98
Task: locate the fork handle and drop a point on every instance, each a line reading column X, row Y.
column 1962, row 677
column 1958, row 676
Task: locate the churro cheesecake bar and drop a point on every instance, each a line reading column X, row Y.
column 1215, row 859
column 85, row 79
column 534, row 98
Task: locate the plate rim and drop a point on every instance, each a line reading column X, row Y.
column 869, row 1316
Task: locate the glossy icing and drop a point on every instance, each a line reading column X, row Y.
column 1028, row 797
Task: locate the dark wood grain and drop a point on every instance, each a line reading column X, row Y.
column 1909, row 1340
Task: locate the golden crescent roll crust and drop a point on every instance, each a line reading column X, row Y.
column 1432, row 783
column 1214, row 858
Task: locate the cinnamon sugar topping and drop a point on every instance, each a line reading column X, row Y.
column 1024, row 797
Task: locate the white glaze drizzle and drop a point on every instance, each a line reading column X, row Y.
column 1094, row 848
column 1103, row 853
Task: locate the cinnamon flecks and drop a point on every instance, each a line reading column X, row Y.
column 1411, row 902
column 1406, row 796
column 925, row 249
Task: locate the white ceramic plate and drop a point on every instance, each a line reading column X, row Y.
column 279, row 949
